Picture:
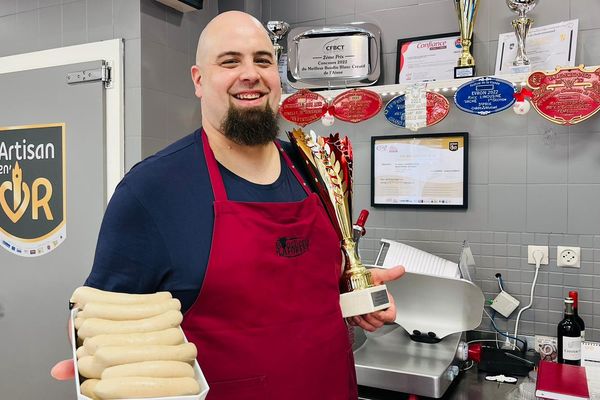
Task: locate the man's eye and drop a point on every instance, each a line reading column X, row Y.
column 264, row 61
column 229, row 62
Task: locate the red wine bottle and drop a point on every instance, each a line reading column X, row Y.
column 569, row 337
column 574, row 295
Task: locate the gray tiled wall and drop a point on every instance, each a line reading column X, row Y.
column 32, row 25
column 530, row 181
column 168, row 48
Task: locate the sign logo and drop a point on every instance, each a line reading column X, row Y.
column 453, row 146
column 32, row 188
column 291, row 246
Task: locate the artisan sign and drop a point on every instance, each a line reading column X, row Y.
column 32, row 189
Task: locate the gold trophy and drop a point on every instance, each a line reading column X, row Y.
column 329, row 162
column 467, row 12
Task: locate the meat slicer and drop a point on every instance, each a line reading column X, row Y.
column 420, row 353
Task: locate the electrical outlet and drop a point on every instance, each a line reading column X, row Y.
column 531, row 249
column 568, row 256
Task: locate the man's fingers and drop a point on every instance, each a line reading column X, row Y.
column 381, row 275
column 360, row 321
column 63, row 370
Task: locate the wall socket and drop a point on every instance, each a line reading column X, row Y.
column 568, row 256
column 531, row 249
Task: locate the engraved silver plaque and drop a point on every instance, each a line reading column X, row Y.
column 334, row 57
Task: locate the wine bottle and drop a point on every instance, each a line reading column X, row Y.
column 569, row 337
column 574, row 295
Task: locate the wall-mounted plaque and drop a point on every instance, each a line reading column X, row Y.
column 566, row 96
column 485, row 96
column 334, row 57
column 428, row 170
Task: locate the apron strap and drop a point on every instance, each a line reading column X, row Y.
column 292, row 167
column 216, row 180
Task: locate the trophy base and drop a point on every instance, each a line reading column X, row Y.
column 364, row 301
column 520, row 69
column 464, row 72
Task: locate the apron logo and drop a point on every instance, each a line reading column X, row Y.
column 291, row 246
column 32, row 188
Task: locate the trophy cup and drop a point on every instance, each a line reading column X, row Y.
column 329, row 162
column 521, row 25
column 467, row 12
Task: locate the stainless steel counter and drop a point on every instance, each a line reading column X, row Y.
column 469, row 385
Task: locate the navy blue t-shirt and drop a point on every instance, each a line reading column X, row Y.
column 157, row 229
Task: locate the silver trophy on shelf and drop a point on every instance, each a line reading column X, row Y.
column 521, row 25
column 278, row 30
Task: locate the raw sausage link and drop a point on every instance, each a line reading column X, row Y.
column 85, row 294
column 171, row 336
column 141, row 387
column 120, row 312
column 150, row 369
column 116, row 355
column 98, row 326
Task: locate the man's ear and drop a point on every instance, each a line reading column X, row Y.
column 197, row 79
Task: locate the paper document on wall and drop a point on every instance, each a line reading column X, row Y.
column 418, row 261
column 590, row 359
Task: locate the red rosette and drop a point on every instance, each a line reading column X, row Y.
column 356, row 105
column 303, row 107
column 438, row 108
column 566, row 96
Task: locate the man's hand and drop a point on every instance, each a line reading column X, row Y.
column 63, row 370
column 375, row 320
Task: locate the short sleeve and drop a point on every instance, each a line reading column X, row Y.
column 131, row 255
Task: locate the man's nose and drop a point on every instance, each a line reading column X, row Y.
column 250, row 73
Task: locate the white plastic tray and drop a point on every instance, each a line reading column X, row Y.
column 198, row 372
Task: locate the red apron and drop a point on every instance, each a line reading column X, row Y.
column 267, row 322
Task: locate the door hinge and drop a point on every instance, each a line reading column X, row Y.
column 90, row 75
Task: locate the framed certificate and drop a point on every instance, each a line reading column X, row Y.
column 428, row 170
column 427, row 58
column 547, row 46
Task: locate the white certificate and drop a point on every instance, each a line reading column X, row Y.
column 547, row 47
column 420, row 170
column 427, row 59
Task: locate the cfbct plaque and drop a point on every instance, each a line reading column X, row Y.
column 334, row 57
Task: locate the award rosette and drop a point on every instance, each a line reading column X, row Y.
column 329, row 162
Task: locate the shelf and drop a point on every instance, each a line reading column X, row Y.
column 447, row 87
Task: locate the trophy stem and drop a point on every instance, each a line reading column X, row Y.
column 466, row 58
column 521, row 26
column 278, row 50
column 356, row 275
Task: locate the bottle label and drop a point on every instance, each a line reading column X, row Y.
column 572, row 348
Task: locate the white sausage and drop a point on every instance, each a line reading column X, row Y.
column 98, row 326
column 81, row 352
column 85, row 294
column 116, row 355
column 123, row 312
column 171, row 336
column 150, row 369
column 140, row 387
column 87, row 388
column 89, row 367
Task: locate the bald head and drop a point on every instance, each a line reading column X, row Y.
column 243, row 24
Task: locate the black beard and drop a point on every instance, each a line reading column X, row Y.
column 250, row 127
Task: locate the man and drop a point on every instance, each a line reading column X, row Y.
column 202, row 219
